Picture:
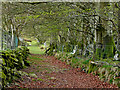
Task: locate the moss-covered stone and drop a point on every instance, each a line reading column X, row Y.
column 13, row 60
column 108, row 46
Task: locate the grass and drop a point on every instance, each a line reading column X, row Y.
column 34, row 80
column 33, row 43
column 40, row 79
column 35, row 49
column 36, row 58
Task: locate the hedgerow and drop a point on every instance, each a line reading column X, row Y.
column 12, row 61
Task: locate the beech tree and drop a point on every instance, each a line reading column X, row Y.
column 91, row 27
column 118, row 44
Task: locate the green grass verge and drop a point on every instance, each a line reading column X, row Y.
column 33, row 43
column 35, row 49
column 36, row 58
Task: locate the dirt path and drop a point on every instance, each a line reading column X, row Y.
column 52, row 73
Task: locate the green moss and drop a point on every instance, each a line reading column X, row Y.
column 98, row 53
column 109, row 46
column 13, row 60
column 40, row 79
column 111, row 80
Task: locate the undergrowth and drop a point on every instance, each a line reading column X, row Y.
column 12, row 62
column 106, row 69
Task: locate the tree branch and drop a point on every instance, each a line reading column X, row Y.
column 83, row 32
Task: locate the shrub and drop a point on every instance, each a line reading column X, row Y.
column 12, row 61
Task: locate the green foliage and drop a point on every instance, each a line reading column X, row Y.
column 98, row 53
column 107, row 73
column 35, row 48
column 50, row 50
column 40, row 79
column 13, row 60
column 74, row 23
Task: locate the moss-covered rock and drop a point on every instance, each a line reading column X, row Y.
column 12, row 61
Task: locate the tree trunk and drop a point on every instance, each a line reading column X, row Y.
column 108, row 42
column 118, row 42
column 98, row 35
column 108, row 46
column 104, row 42
column 0, row 26
column 12, row 39
column 99, row 31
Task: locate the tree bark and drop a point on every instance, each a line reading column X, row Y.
column 118, row 42
column 98, row 34
column 0, row 26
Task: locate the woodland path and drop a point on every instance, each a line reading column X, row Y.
column 53, row 73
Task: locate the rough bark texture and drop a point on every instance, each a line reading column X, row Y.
column 108, row 46
column 99, row 40
column 99, row 35
column 118, row 28
column 104, row 42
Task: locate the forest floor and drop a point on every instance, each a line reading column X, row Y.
column 53, row 73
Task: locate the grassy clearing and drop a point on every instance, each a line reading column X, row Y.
column 33, row 43
column 35, row 48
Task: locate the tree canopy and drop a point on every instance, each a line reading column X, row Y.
column 64, row 23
